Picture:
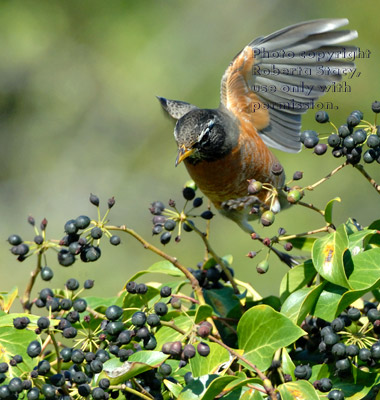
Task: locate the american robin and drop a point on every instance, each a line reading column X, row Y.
column 264, row 91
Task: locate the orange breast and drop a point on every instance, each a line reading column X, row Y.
column 226, row 179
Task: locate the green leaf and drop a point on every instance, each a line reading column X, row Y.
column 174, row 388
column 167, row 334
column 287, row 364
column 366, row 270
column 209, row 365
column 160, row 267
column 195, row 389
column 303, row 243
column 138, row 301
column 102, row 303
column 327, row 255
column 320, row 371
column 137, row 363
column 7, row 299
column 223, row 301
column 203, row 312
column 352, row 226
column 296, row 278
column 300, row 390
column 358, row 240
column 258, row 338
column 217, row 386
column 14, row 341
column 329, row 208
column 300, row 303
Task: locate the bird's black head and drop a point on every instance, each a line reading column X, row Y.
column 203, row 135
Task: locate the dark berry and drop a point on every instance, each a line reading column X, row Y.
column 308, row 134
column 204, row 330
column 352, row 350
column 373, row 314
column 321, row 117
column 96, row 366
column 57, row 379
column 325, row 385
column 337, row 324
column 33, row 394
column 98, row 394
column 139, row 318
column 80, row 305
column 104, row 383
column 141, row 288
column 203, row 349
column 88, row 284
column 79, row 377
column 131, row 287
column 165, row 291
column 46, row 273
column 302, row 372
column 73, row 317
column 369, row 156
column 72, row 284
column 111, row 202
column 364, row 354
column 165, row 238
column 66, row 354
column 359, row 136
column 115, row 327
column 160, row 308
column 65, row 258
column 333, row 140
column 169, row 224
column 175, row 348
column 338, row 350
column 311, row 142
column 189, row 351
column 331, row 338
column 165, row 369
column 188, row 225
column 70, row 226
column 14, row 240
column 125, row 337
column 21, row 249
column 188, row 193
column 343, row 365
column 114, row 312
column 96, row 232
column 375, row 351
column 21, row 322
column 102, row 355
column 297, row 175
column 344, row 131
column 43, row 367
column 198, row 201
column 77, row 356
column 84, row 390
column 92, row 253
column 38, row 239
column 376, row 107
column 15, row 385
column 94, row 200
column 142, row 333
column 82, row 222
column 207, row 214
column 48, row 391
column 373, row 141
column 66, row 304
column 3, row 367
column 353, row 120
column 157, row 207
column 69, row 333
column 153, row 320
column 43, row 323
column 115, row 240
column 320, row 149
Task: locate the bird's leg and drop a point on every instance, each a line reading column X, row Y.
column 242, row 203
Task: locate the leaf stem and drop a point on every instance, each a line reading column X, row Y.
column 297, row 235
column 25, row 301
column 361, row 169
column 266, row 382
column 328, row 176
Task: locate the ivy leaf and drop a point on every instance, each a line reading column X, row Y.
column 366, row 269
column 287, row 364
column 327, row 255
column 300, row 390
column 297, row 278
column 204, row 311
column 303, row 243
column 160, row 267
column 212, row 363
column 139, row 362
column 329, row 208
column 262, row 331
column 300, row 303
column 196, row 388
column 7, row 299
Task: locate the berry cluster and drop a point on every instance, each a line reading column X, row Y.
column 82, row 238
column 349, row 340
column 349, row 139
column 165, row 220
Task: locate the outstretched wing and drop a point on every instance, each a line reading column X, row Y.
column 276, row 78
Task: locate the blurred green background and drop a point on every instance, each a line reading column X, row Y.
column 78, row 114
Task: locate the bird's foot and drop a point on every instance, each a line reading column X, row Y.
column 246, row 202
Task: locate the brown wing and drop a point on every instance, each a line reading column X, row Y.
column 276, row 78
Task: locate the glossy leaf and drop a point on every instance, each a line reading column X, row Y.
column 174, row 388
column 329, row 209
column 300, row 303
column 167, row 334
column 287, row 364
column 212, row 363
column 7, row 299
column 217, row 386
column 137, row 363
column 300, row 390
column 296, row 278
column 160, row 267
column 303, row 243
column 258, row 337
column 203, row 312
column 366, row 269
column 327, row 255
column 196, row 388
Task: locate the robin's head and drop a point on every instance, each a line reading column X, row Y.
column 200, row 134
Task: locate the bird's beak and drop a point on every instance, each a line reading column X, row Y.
column 183, row 153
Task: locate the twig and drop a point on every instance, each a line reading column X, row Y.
column 361, row 169
column 312, row 207
column 289, row 237
column 266, row 382
column 25, row 301
column 130, row 390
column 218, row 259
column 328, row 176
column 173, row 260
column 182, row 296
column 172, row 325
